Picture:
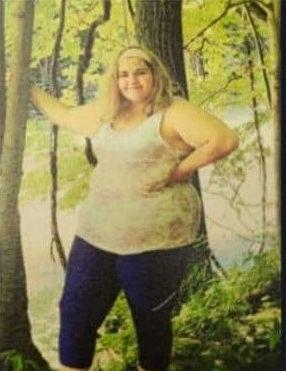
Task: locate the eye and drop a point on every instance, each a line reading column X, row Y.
column 141, row 72
column 122, row 74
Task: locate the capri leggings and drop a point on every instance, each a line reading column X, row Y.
column 150, row 281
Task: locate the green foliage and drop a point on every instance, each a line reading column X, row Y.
column 225, row 83
column 222, row 54
column 73, row 169
column 118, row 339
column 234, row 169
column 229, row 324
column 235, row 323
column 13, row 360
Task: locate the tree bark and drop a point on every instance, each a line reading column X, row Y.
column 274, row 19
column 83, row 64
column 158, row 26
column 2, row 76
column 271, row 13
column 15, row 331
column 260, row 146
column 259, row 53
column 56, row 239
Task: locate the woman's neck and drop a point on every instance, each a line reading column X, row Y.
column 137, row 109
column 131, row 115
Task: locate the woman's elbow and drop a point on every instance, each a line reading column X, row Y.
column 226, row 144
column 231, row 142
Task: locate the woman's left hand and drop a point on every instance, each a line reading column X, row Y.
column 178, row 176
column 175, row 176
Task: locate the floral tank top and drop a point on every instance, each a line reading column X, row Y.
column 118, row 215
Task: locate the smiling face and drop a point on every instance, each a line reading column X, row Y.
column 135, row 79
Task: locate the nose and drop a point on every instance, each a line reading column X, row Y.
column 132, row 79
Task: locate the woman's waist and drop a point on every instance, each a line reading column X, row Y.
column 136, row 193
column 123, row 173
column 138, row 209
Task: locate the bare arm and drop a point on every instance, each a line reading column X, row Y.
column 211, row 138
column 83, row 120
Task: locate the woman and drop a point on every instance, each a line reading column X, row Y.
column 141, row 215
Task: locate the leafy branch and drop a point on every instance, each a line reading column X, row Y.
column 236, row 194
column 225, row 227
column 233, row 77
column 241, row 202
column 237, row 210
column 229, row 6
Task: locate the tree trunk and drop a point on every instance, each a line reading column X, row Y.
column 259, row 52
column 158, row 26
column 56, row 238
column 15, row 332
column 260, row 145
column 83, row 64
column 274, row 18
column 2, row 76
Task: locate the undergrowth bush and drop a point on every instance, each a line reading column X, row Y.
column 230, row 324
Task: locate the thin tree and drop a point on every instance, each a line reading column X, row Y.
column 83, row 64
column 271, row 13
column 259, row 52
column 274, row 21
column 15, row 331
column 2, row 75
column 259, row 142
column 56, row 239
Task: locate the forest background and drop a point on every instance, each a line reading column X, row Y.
column 228, row 313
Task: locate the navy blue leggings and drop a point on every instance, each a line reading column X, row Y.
column 150, row 281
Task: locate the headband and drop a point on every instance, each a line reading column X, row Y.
column 129, row 53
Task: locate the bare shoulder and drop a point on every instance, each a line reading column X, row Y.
column 194, row 125
column 179, row 113
column 182, row 113
column 180, row 109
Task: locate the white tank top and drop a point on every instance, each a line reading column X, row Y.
column 118, row 215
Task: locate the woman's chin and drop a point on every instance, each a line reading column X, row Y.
column 135, row 100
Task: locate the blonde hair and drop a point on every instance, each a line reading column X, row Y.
column 161, row 96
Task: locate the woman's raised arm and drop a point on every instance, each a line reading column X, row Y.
column 83, row 120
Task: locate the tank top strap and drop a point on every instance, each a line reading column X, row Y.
column 157, row 120
column 156, row 133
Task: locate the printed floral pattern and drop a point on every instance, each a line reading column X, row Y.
column 119, row 215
